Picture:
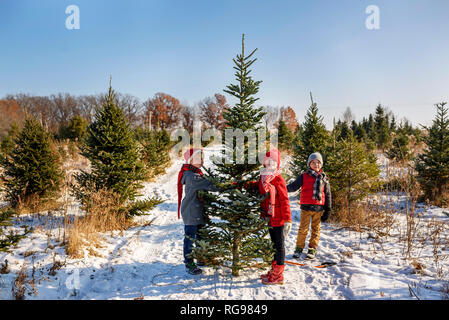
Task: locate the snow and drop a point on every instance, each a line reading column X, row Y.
column 146, row 260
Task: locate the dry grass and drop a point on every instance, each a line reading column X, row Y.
column 102, row 215
column 367, row 216
column 418, row 267
column 36, row 204
column 22, row 285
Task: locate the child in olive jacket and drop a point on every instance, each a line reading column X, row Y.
column 316, row 203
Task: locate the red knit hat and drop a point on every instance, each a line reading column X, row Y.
column 273, row 154
column 189, row 154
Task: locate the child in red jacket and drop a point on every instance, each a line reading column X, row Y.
column 275, row 208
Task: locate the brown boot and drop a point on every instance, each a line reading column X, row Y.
column 276, row 277
column 266, row 275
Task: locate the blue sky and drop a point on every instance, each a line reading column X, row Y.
column 185, row 48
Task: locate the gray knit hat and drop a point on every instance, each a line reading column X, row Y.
column 313, row 156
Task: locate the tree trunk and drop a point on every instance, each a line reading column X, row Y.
column 235, row 256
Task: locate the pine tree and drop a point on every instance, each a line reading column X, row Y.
column 314, row 138
column 433, row 165
column 285, row 136
column 359, row 131
column 393, row 125
column 372, row 132
column 399, row 150
column 7, row 145
column 155, row 151
column 353, row 173
column 234, row 235
column 75, row 129
column 113, row 152
column 342, row 130
column 10, row 239
column 32, row 168
column 382, row 128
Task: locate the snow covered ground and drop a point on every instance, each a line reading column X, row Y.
column 146, row 261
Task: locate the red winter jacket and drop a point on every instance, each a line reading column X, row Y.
column 282, row 211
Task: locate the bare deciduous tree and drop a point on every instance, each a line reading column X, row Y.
column 211, row 111
column 131, row 106
column 165, row 110
column 11, row 113
column 271, row 116
column 188, row 118
column 288, row 115
column 348, row 116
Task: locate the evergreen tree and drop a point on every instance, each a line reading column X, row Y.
column 433, row 165
column 113, row 152
column 342, row 130
column 285, row 136
column 393, row 125
column 297, row 135
column 32, row 171
column 7, row 145
column 75, row 130
column 382, row 128
column 353, row 172
column 155, row 151
column 234, row 235
column 372, row 132
column 359, row 131
column 399, row 150
column 314, row 138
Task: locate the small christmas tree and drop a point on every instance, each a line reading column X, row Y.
column 7, row 145
column 285, row 136
column 75, row 129
column 341, row 130
column 313, row 138
column 111, row 147
column 399, row 150
column 235, row 236
column 353, row 173
column 433, row 165
column 382, row 128
column 32, row 168
column 155, row 151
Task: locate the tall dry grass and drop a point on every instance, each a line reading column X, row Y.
column 374, row 217
column 102, row 214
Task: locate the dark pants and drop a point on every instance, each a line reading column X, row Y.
column 277, row 237
column 190, row 233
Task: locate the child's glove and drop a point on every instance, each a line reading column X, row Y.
column 287, row 228
column 325, row 215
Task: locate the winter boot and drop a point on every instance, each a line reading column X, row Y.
column 297, row 253
column 311, row 253
column 276, row 277
column 266, row 275
column 191, row 268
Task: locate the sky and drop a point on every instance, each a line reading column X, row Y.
column 185, row 49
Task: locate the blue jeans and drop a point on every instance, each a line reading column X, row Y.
column 190, row 232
